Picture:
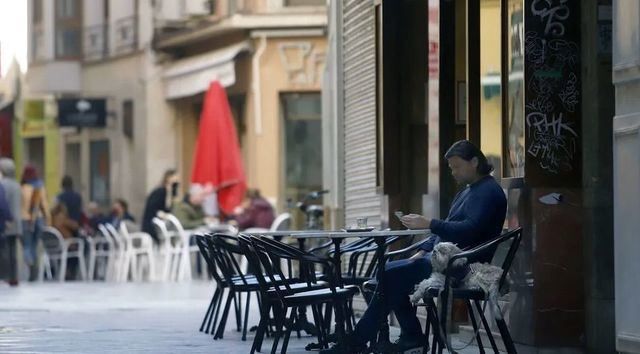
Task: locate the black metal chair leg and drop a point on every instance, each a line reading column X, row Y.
column 265, row 329
column 279, row 316
column 475, row 327
column 216, row 305
column 246, row 317
column 237, row 301
column 486, row 327
column 216, row 312
column 506, row 336
column 289, row 327
column 225, row 315
column 207, row 314
column 317, row 320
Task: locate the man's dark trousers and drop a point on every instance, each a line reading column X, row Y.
column 400, row 278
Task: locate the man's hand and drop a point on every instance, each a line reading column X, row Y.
column 415, row 221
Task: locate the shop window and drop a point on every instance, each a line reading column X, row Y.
column 514, row 155
column 303, row 144
column 67, row 42
column 68, row 31
column 490, row 83
column 100, row 185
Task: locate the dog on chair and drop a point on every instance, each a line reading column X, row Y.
column 480, row 275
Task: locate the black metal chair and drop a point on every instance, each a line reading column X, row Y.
column 213, row 311
column 510, row 240
column 225, row 250
column 289, row 296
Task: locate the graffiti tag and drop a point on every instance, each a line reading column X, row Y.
column 553, row 141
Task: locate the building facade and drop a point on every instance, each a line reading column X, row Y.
column 527, row 81
column 95, row 58
column 626, row 167
column 269, row 56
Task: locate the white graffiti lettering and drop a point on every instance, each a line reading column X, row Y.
column 553, row 12
column 553, row 141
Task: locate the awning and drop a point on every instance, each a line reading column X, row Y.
column 193, row 75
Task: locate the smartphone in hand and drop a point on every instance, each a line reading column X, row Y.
column 399, row 214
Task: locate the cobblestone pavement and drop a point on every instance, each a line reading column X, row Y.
column 117, row 318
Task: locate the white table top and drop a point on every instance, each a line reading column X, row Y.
column 345, row 234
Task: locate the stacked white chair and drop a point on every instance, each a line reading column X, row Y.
column 120, row 268
column 115, row 265
column 182, row 268
column 57, row 252
column 102, row 253
column 168, row 248
column 139, row 247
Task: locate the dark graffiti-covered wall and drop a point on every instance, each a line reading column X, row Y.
column 553, row 93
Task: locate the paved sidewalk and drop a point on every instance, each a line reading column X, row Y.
column 118, row 318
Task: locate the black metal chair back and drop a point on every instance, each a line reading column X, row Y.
column 225, row 250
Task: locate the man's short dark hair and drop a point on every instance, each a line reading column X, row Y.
column 67, row 182
column 123, row 203
column 465, row 150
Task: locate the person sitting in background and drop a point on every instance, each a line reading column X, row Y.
column 61, row 220
column 189, row 211
column 120, row 213
column 160, row 200
column 255, row 211
column 71, row 199
column 94, row 218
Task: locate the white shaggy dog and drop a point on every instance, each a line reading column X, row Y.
column 481, row 275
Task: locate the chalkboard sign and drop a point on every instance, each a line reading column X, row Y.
column 553, row 93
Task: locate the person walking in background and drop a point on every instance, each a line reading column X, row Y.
column 35, row 214
column 120, row 213
column 71, row 199
column 255, row 211
column 160, row 200
column 14, row 229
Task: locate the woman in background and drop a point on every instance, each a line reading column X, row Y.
column 35, row 215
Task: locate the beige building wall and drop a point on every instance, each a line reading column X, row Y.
column 286, row 65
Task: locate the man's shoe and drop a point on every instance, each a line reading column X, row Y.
column 408, row 344
column 345, row 348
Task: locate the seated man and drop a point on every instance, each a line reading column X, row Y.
column 477, row 214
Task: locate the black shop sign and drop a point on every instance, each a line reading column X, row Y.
column 82, row 112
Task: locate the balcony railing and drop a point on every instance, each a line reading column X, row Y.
column 96, row 41
column 126, row 35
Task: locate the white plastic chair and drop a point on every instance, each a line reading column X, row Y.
column 116, row 262
column 279, row 221
column 101, row 252
column 121, row 260
column 57, row 252
column 168, row 252
column 138, row 244
column 182, row 268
